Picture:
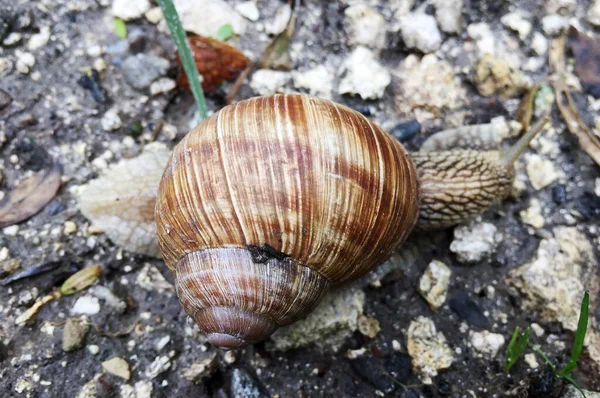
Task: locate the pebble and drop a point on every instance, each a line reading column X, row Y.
column 93, row 349
column 162, row 85
column 130, row 9
column 428, row 348
column 573, row 392
column 248, row 10
column 405, row 131
column 537, row 329
column 433, row 285
column 363, row 75
column 207, row 19
column 161, row 364
column 593, row 14
column 517, row 22
column 276, row 25
column 154, row 15
column 267, row 81
column 475, row 242
column 40, row 39
column 11, row 230
column 74, row 334
column 420, row 31
column 597, row 187
column 118, row 367
column 141, row 389
column 483, row 37
column 588, row 205
column 150, row 278
column 533, row 214
column 364, row 27
column 69, row 227
column 243, row 385
column 86, row 305
column 493, row 76
column 12, row 39
column 201, row 370
column 554, row 24
column 25, row 62
column 368, row 326
column 531, row 360
column 541, row 171
column 162, row 343
column 99, row 65
column 448, row 14
column 141, row 70
column 6, row 66
column 468, row 310
column 318, row 81
column 539, row 43
column 111, row 120
column 487, row 344
column 110, row 298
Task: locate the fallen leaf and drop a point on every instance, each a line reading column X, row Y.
column 216, row 62
column 586, row 51
column 35, row 308
column 30, row 196
column 225, row 32
column 120, row 28
column 80, row 280
column 276, row 55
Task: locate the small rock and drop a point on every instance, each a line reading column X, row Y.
column 267, row 81
column 449, row 15
column 202, row 370
column 162, row 343
column 554, row 24
column 130, row 9
column 474, row 242
column 154, row 15
column 74, row 334
column 110, row 299
column 531, row 360
column 12, row 39
column 420, row 31
column 486, row 343
column 541, row 171
column 22, row 385
column 368, row 326
column 25, row 62
column 6, row 66
column 483, row 37
column 118, row 367
column 142, row 69
column 162, row 85
column 588, row 205
column 161, row 364
column 516, row 21
column 468, row 310
column 593, row 15
column 69, row 227
column 537, row 329
column 93, row 349
column 539, row 43
column 493, row 76
column 364, row 27
column 597, row 187
column 40, row 39
column 86, row 305
column 318, row 81
column 248, row 10
column 141, row 389
column 243, row 385
column 111, row 120
column 405, row 131
column 279, row 21
column 428, row 348
column 207, row 19
column 574, row 392
column 5, row 99
column 433, row 285
column 11, row 230
column 533, row 214
column 363, row 75
column 150, row 278
column 100, row 65
column 89, row 389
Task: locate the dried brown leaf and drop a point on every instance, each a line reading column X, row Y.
column 80, row 280
column 586, row 51
column 525, row 111
column 30, row 196
column 276, row 55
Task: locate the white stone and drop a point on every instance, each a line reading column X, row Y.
column 541, row 171
column 69, row 227
column 93, row 349
column 111, row 120
column 40, row 39
column 318, row 81
column 483, row 37
column 248, row 10
column 554, row 24
column 25, row 62
column 118, row 367
column 433, row 285
column 428, row 349
column 531, row 360
column 161, row 364
column 11, row 230
column 420, row 31
column 94, row 51
column 539, row 43
column 363, row 75
column 537, row 329
column 516, row 21
column 154, row 15
column 364, row 26
column 86, row 305
column 267, row 81
column 162, row 343
column 150, row 278
column 593, row 15
column 486, row 343
column 100, row 65
column 533, row 214
column 12, row 39
column 279, row 21
column 475, row 241
column 130, row 9
column 162, row 85
column 206, row 17
column 449, row 15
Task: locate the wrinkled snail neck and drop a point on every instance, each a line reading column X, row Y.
column 457, row 186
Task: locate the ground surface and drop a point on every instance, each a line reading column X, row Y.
column 55, row 116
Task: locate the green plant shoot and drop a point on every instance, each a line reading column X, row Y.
column 120, row 28
column 579, row 337
column 225, row 32
column 515, row 348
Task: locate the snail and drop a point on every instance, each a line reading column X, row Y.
column 270, row 202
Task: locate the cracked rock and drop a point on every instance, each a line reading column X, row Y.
column 428, row 348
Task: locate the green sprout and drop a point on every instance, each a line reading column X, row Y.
column 515, row 348
column 120, row 28
column 225, row 32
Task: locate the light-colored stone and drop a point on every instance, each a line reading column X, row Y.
column 11, row 230
column 533, row 214
column 487, row 344
column 248, row 10
column 573, row 392
column 201, row 370
column 531, row 360
column 475, row 241
column 160, row 365
column 554, row 24
column 141, row 389
column 420, row 31
column 517, row 22
column 483, row 37
column 118, row 367
column 25, row 62
column 74, row 334
column 162, row 85
column 130, row 9
column 428, row 349
column 110, row 298
column 86, row 305
column 150, row 278
column 69, row 228
column 368, row 326
column 40, row 39
column 593, row 14
column 12, row 39
column 448, row 14
column 494, row 76
column 268, row 82
column 433, row 285
column 318, row 81
column 154, row 15
column 93, row 349
column 539, row 43
column 364, row 26
column 111, row 120
column 541, row 171
column 141, row 70
column 276, row 25
column 363, row 75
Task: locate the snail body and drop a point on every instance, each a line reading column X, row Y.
column 271, row 201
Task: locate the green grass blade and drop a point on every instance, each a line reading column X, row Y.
column 544, row 356
column 515, row 348
column 189, row 66
column 120, row 28
column 572, row 381
column 579, row 337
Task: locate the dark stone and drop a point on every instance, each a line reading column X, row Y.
column 559, row 194
column 543, row 384
column 5, row 99
column 468, row 310
column 372, row 371
column 588, row 205
column 399, row 367
column 244, row 385
column 55, row 207
column 410, row 394
column 406, row 130
column 444, row 388
column 91, row 82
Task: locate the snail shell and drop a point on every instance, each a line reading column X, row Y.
column 271, row 201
